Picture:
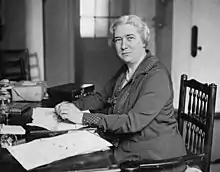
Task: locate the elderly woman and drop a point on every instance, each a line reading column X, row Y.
column 140, row 118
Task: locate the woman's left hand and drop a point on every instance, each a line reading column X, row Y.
column 69, row 111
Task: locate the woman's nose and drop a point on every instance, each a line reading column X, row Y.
column 123, row 44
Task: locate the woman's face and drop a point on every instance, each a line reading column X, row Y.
column 128, row 43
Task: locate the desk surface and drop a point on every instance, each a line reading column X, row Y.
column 96, row 160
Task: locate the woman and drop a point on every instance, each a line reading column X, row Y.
column 139, row 100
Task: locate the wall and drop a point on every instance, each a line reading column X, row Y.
column 181, row 44
column 98, row 62
column 23, row 28
column 158, row 15
column 182, row 61
column 14, row 30
column 205, row 66
column 34, row 35
column 59, row 41
column 163, row 22
column 147, row 10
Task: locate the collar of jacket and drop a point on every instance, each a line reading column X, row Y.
column 145, row 66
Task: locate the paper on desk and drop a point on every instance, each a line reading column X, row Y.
column 44, row 151
column 48, row 119
column 12, row 129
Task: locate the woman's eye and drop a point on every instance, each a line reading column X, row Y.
column 130, row 38
column 117, row 40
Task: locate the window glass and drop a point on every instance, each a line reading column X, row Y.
column 97, row 15
column 87, row 27
column 87, row 8
column 102, row 8
column 101, row 27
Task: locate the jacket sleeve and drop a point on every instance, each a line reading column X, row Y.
column 97, row 100
column 154, row 95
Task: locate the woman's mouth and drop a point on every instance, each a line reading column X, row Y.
column 125, row 54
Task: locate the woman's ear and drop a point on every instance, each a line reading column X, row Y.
column 144, row 45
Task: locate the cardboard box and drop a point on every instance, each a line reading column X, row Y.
column 28, row 91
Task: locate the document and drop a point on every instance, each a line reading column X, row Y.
column 12, row 129
column 44, row 151
column 48, row 119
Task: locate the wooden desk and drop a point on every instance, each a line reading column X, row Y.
column 87, row 162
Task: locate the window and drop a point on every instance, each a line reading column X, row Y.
column 97, row 15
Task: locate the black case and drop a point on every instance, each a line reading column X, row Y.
column 19, row 108
column 69, row 92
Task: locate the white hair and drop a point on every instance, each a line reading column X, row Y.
column 136, row 21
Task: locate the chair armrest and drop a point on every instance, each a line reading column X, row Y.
column 150, row 164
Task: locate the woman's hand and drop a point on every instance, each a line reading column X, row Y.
column 69, row 111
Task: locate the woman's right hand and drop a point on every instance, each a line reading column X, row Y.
column 69, row 111
column 57, row 107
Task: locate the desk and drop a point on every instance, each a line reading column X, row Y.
column 80, row 162
column 101, row 159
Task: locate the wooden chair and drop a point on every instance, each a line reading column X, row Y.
column 14, row 64
column 196, row 122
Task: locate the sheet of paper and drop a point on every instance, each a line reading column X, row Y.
column 12, row 129
column 44, row 151
column 48, row 119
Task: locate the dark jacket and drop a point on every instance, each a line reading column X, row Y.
column 140, row 118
